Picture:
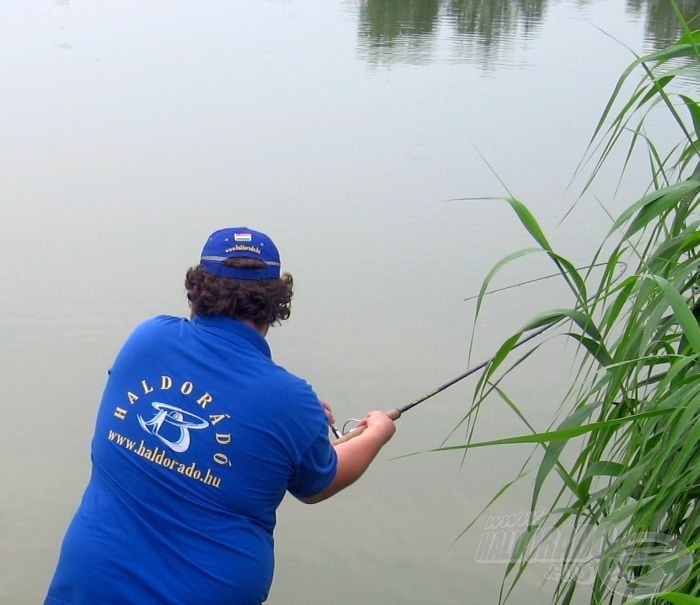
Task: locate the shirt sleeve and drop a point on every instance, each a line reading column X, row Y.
column 316, row 469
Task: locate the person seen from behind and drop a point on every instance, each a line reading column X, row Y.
column 198, row 437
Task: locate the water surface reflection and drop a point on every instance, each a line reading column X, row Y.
column 407, row 31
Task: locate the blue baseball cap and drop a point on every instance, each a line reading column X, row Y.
column 240, row 242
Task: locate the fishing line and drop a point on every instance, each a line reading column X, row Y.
column 536, row 279
column 395, row 413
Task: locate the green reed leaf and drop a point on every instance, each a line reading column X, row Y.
column 694, row 111
column 557, row 435
column 682, row 312
column 528, row 221
column 680, row 599
column 654, row 204
column 605, row 467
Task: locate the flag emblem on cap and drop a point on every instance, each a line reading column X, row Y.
column 242, row 237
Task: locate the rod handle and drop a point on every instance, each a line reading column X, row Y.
column 394, row 414
column 347, row 436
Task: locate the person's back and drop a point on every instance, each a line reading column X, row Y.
column 198, row 437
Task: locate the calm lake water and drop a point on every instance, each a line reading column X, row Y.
column 345, row 130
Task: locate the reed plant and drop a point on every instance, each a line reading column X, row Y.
column 625, row 459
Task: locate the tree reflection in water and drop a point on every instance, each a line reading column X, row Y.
column 405, row 31
column 661, row 22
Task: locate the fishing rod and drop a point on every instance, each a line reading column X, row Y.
column 345, row 432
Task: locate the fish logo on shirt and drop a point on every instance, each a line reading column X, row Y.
column 172, row 425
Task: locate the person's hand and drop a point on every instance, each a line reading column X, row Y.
column 329, row 412
column 356, row 450
column 379, row 424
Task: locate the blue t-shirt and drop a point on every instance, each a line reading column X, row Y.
column 198, row 437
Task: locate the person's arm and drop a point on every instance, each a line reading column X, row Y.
column 356, row 454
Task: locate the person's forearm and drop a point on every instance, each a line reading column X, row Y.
column 354, row 457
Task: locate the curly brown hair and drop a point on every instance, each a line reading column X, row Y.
column 263, row 302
